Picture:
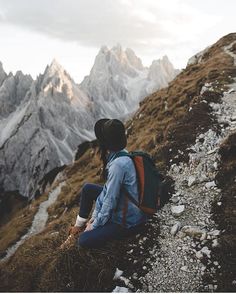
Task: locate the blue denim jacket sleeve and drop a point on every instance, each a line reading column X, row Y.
column 111, row 192
column 97, row 208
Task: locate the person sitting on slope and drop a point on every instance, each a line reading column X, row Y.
column 114, row 217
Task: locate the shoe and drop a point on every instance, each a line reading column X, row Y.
column 74, row 232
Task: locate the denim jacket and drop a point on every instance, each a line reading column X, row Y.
column 110, row 203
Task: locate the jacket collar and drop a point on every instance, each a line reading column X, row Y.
column 112, row 154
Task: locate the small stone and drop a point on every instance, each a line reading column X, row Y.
column 177, row 210
column 204, row 236
column 150, row 288
column 175, row 200
column 118, row 274
column 191, row 181
column 184, row 268
column 176, row 227
column 135, row 275
column 120, row 290
column 125, row 280
column 206, row 251
column 212, row 151
column 144, row 267
column 181, row 235
column 211, row 287
column 215, row 165
column 214, row 233
column 192, row 231
column 199, row 254
column 210, row 185
column 201, row 136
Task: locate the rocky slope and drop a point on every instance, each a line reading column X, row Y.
column 189, row 245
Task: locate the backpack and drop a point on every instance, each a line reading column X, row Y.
column 152, row 187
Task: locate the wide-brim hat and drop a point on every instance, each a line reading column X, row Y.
column 111, row 134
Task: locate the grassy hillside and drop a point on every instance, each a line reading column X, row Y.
column 165, row 125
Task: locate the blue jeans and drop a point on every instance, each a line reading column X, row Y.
column 88, row 196
column 110, row 231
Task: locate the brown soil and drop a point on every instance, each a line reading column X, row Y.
column 165, row 132
column 225, row 217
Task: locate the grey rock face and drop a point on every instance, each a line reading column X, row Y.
column 160, row 73
column 3, row 75
column 44, row 131
column 12, row 91
column 118, row 81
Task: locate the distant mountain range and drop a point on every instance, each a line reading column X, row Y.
column 118, row 81
column 42, row 122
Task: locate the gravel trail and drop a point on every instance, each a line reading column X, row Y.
column 182, row 253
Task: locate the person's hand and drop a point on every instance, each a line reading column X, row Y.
column 89, row 225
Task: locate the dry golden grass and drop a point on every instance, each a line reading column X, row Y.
column 154, row 128
column 12, row 231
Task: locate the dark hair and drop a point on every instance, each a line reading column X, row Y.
column 103, row 156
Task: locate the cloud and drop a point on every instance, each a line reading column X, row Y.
column 134, row 23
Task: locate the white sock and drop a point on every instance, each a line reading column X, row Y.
column 80, row 221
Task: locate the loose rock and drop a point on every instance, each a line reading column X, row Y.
column 176, row 227
column 177, row 210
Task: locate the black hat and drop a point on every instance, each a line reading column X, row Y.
column 111, row 134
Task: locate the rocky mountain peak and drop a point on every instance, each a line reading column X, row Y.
column 103, row 50
column 55, row 77
column 116, row 60
column 118, row 80
column 13, row 89
column 161, row 72
column 55, row 68
column 3, row 75
column 135, row 61
column 117, row 49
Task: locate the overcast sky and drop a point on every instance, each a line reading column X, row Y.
column 33, row 32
